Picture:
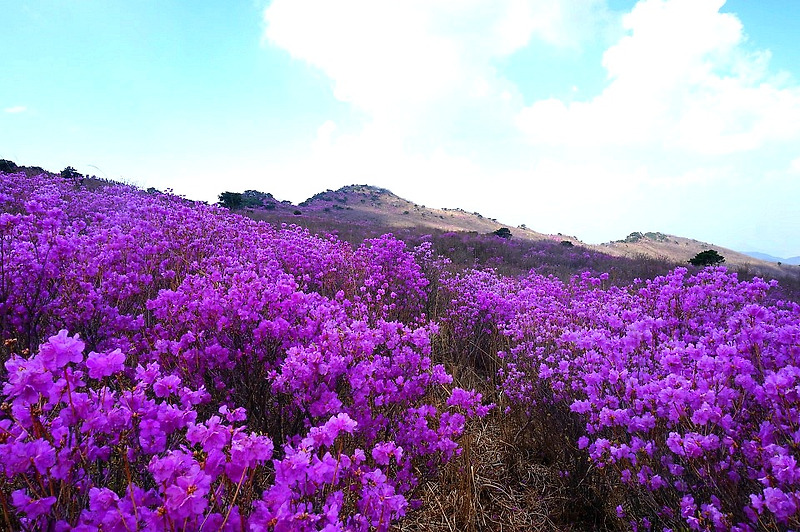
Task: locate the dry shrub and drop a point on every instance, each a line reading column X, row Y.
column 510, row 474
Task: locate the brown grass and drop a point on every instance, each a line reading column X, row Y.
column 489, row 487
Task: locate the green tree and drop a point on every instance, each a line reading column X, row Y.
column 231, row 200
column 70, row 173
column 708, row 257
column 7, row 166
column 254, row 198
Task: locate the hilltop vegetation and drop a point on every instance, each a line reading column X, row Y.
column 469, row 240
column 172, row 366
column 358, row 212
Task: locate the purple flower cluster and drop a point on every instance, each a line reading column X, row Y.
column 219, row 373
column 93, row 431
column 688, row 386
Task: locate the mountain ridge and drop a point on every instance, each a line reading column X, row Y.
column 368, row 204
column 795, row 261
column 377, row 206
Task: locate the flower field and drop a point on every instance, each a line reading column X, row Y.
column 171, row 366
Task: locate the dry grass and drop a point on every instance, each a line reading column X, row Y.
column 490, row 486
column 679, row 250
column 377, row 209
column 507, row 476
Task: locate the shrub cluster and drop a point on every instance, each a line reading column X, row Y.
column 687, row 388
column 170, row 366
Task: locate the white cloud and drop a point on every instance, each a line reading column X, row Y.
column 687, row 111
column 692, row 132
column 15, row 109
column 374, row 52
column 680, row 80
column 422, row 74
column 395, row 58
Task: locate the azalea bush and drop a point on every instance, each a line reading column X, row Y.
column 688, row 389
column 171, row 366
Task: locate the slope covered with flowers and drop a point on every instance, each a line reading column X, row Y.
column 683, row 390
column 170, row 366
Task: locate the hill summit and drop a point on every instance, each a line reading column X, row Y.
column 355, row 212
column 366, row 210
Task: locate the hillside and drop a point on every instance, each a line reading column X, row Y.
column 356, row 212
column 680, row 249
column 170, row 365
column 378, row 209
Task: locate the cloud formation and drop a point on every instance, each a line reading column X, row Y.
column 680, row 80
column 688, row 109
column 422, row 74
column 401, row 61
column 15, row 109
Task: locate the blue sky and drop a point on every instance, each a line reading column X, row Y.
column 593, row 118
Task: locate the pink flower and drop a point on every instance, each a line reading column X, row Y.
column 104, row 364
column 151, row 436
column 32, row 508
column 60, row 350
column 781, row 504
column 165, row 386
column 383, row 452
column 187, row 497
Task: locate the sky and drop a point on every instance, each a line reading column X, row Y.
column 592, row 118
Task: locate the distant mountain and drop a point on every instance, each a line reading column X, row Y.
column 795, row 261
column 763, row 256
